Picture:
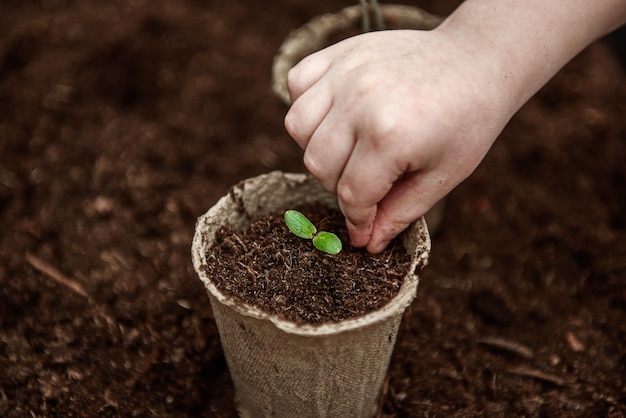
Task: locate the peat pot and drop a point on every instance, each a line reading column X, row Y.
column 284, row 369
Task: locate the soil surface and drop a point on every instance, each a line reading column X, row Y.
column 121, row 122
column 268, row 267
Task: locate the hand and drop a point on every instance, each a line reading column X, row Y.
column 392, row 121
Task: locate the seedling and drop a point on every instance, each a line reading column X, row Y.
column 303, row 228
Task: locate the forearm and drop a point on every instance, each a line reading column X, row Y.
column 525, row 42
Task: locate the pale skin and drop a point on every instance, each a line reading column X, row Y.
column 392, row 121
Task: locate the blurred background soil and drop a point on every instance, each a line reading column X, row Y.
column 123, row 121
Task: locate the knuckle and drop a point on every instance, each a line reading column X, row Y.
column 293, row 79
column 311, row 165
column 346, row 195
column 385, row 129
column 293, row 126
column 290, row 124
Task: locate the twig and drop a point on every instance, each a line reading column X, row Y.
column 380, row 20
column 574, row 343
column 366, row 9
column 508, row 345
column 245, row 249
column 537, row 374
column 365, row 17
column 56, row 275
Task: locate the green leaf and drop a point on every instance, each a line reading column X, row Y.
column 327, row 242
column 299, row 224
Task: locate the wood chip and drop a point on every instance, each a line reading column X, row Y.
column 574, row 343
column 537, row 374
column 56, row 275
column 508, row 345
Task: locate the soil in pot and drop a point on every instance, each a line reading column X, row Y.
column 268, row 267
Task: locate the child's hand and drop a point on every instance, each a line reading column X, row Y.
column 391, row 122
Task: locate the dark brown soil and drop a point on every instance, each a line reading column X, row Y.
column 123, row 121
column 269, row 267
